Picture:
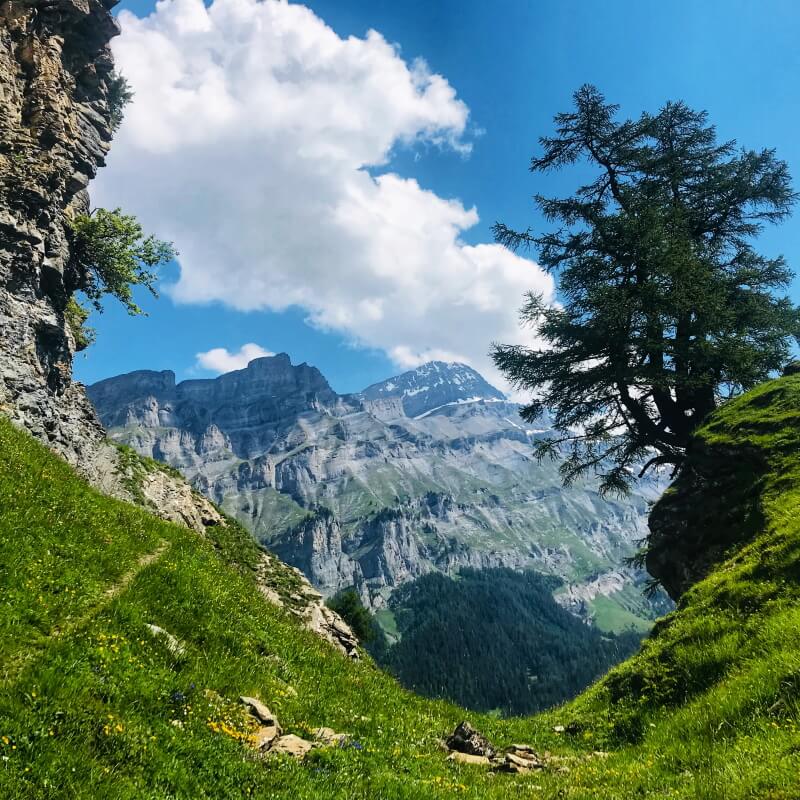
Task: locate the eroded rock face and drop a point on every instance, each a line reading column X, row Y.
column 254, row 406
column 384, row 552
column 317, row 550
column 465, row 739
column 712, row 507
column 55, row 74
column 289, row 588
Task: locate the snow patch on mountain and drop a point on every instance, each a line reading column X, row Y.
column 433, row 386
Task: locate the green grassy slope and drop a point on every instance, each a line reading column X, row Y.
column 89, row 699
column 715, row 691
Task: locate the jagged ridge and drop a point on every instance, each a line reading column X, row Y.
column 273, row 443
column 433, row 385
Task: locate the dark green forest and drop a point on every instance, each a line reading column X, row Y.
column 490, row 640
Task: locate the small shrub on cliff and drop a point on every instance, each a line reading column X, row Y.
column 111, row 255
column 119, row 95
column 76, row 316
column 347, row 604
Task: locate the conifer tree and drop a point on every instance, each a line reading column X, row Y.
column 667, row 308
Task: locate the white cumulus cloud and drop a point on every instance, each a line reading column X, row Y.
column 220, row 360
column 259, row 141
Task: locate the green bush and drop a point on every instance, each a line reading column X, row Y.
column 76, row 316
column 111, row 255
column 119, row 95
column 347, row 604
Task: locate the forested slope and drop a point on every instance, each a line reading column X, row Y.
column 455, row 633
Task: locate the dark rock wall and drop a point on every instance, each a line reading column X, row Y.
column 55, row 73
column 712, row 507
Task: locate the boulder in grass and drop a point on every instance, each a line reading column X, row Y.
column 469, row 759
column 465, row 739
column 522, row 760
column 291, row 745
column 329, row 737
column 265, row 736
column 260, row 711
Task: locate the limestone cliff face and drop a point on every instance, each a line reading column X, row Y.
column 388, row 549
column 316, row 549
column 56, row 75
column 254, row 406
column 55, row 128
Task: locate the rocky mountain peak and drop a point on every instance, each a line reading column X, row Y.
column 250, row 407
column 140, row 383
column 270, row 362
column 433, row 385
column 270, row 376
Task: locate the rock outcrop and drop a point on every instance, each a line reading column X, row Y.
column 268, row 738
column 465, row 739
column 56, row 72
column 468, row 747
column 288, row 587
column 712, row 507
column 736, row 465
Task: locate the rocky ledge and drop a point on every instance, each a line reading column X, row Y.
column 288, row 587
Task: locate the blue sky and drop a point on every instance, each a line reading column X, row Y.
column 514, row 65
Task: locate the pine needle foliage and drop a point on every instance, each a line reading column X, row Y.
column 119, row 95
column 667, row 307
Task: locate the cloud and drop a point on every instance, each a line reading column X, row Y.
column 260, row 142
column 219, row 359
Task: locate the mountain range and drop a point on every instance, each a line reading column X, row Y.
column 431, row 470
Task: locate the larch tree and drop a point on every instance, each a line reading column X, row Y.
column 666, row 308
